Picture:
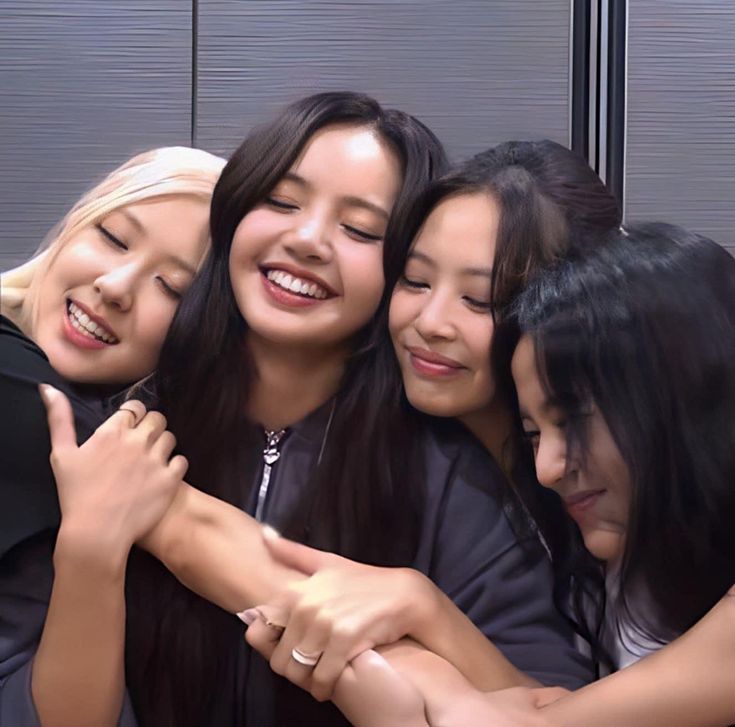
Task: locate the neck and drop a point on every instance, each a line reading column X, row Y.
column 290, row 382
column 492, row 425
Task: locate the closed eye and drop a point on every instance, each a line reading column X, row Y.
column 415, row 284
column 117, row 242
column 168, row 289
column 280, row 204
column 479, row 305
column 361, row 234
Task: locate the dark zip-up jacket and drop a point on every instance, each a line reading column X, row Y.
column 467, row 547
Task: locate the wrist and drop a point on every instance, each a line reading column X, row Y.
column 102, row 553
column 423, row 605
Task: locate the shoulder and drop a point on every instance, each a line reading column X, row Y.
column 28, row 501
column 23, row 366
column 451, row 453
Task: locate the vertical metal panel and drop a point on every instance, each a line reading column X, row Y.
column 84, row 85
column 477, row 72
column 681, row 115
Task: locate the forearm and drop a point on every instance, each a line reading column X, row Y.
column 78, row 671
column 448, row 633
column 688, row 683
column 217, row 551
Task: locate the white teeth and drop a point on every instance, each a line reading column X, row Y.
column 84, row 324
column 296, row 285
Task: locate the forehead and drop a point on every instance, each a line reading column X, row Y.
column 352, row 155
column 461, row 230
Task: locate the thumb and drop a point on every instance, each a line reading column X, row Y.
column 295, row 555
column 60, row 418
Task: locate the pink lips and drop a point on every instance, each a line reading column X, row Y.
column 582, row 501
column 431, row 364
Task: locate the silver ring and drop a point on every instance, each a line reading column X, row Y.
column 310, row 660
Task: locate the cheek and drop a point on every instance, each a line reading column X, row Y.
column 404, row 308
column 254, row 229
column 362, row 274
column 151, row 331
column 477, row 333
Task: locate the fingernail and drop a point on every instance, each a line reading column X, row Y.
column 47, row 392
column 248, row 615
column 270, row 533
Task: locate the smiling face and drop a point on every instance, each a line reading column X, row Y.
column 306, row 263
column 109, row 296
column 596, row 487
column 440, row 319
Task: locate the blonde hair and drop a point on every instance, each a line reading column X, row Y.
column 173, row 170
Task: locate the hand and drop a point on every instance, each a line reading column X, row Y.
column 369, row 692
column 119, row 483
column 516, row 707
column 342, row 610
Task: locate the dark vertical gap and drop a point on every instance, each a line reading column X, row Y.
column 616, row 98
column 596, row 165
column 581, row 77
column 194, row 68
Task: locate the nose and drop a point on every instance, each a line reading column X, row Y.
column 310, row 239
column 116, row 286
column 551, row 462
column 435, row 320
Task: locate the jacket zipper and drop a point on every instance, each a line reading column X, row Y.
column 271, row 453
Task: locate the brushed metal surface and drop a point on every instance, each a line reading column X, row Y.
column 83, row 85
column 681, row 115
column 477, row 71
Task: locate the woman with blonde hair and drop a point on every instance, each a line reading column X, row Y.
column 88, row 315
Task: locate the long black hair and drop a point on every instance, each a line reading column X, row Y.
column 644, row 327
column 549, row 199
column 179, row 645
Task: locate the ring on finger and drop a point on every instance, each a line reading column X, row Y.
column 306, row 659
column 137, row 412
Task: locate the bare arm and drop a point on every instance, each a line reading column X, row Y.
column 688, row 683
column 217, row 551
column 77, row 677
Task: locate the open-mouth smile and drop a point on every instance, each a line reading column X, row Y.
column 85, row 327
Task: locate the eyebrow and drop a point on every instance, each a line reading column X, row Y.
column 175, row 259
column 347, row 199
column 481, row 272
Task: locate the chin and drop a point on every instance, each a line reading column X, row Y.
column 430, row 404
column 605, row 545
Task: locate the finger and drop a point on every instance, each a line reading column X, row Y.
column 136, row 409
column 178, row 466
column 151, row 427
column 299, row 654
column 128, row 416
column 261, row 637
column 60, row 418
column 164, row 446
column 295, row 555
